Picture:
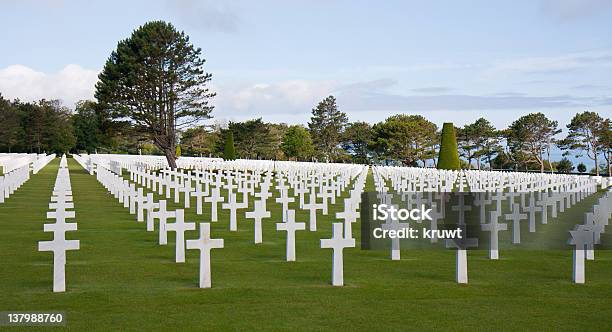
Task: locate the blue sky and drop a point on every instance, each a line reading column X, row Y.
column 448, row 60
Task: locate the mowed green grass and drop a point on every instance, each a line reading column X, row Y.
column 121, row 279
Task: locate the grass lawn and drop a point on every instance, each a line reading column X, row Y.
column 121, row 279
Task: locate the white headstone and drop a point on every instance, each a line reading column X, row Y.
column 257, row 214
column 205, row 244
column 494, row 227
column 461, row 272
column 290, row 226
column 180, row 227
column 338, row 242
column 516, row 216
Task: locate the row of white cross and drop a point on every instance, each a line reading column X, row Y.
column 584, row 237
column 536, row 193
column 60, row 206
column 41, row 162
column 16, row 168
column 12, row 181
column 12, row 161
column 317, row 185
column 115, row 162
column 209, row 185
column 122, row 189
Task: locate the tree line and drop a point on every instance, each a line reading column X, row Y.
column 412, row 140
column 152, row 97
column 409, row 140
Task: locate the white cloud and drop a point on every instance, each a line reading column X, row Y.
column 291, row 101
column 550, row 64
column 253, row 100
column 70, row 84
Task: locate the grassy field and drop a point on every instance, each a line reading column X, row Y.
column 121, row 279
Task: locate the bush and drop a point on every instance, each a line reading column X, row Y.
column 229, row 152
column 581, row 168
column 449, row 153
column 565, row 166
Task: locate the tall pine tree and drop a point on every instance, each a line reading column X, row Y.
column 156, row 80
column 326, row 126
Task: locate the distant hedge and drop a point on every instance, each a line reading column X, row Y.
column 229, row 152
column 449, row 153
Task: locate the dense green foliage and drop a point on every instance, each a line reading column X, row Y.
column 198, row 141
column 326, row 126
column 297, row 144
column 531, row 138
column 255, row 139
column 449, row 153
column 589, row 133
column 46, row 126
column 478, row 140
column 564, row 166
column 357, row 139
column 156, row 79
column 229, row 151
column 407, row 138
column 38, row 127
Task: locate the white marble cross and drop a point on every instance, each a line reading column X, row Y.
column 232, row 206
column 205, row 244
column 198, row 194
column 264, row 193
column 180, row 226
column 257, row 214
column 59, row 245
column 338, row 242
column 481, row 201
column 284, row 200
column 214, row 198
column 393, row 224
column 531, row 209
column 581, row 239
column 168, row 183
column 461, row 208
column 516, row 216
column 63, row 205
column 141, row 199
column 163, row 215
column 126, row 193
column 325, row 194
column 494, row 227
column 245, row 197
column 349, row 215
column 178, row 187
column 290, row 226
column 300, row 191
column 543, row 208
column 150, row 206
column 461, row 272
column 313, row 206
column 591, row 224
column 433, row 225
column 61, row 215
column 188, row 191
